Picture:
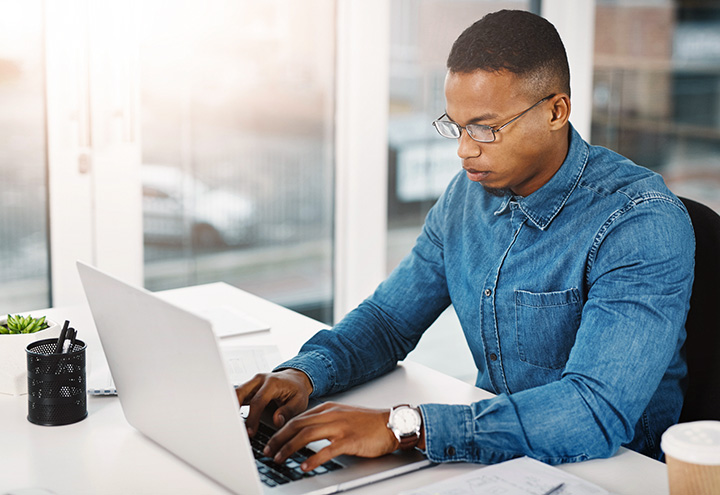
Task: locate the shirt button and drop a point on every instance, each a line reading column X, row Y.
column 488, row 292
column 493, row 357
column 450, row 451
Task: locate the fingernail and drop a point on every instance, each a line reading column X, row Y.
column 251, row 431
column 266, row 450
column 304, row 466
column 281, row 420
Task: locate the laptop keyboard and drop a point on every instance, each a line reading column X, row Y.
column 274, row 474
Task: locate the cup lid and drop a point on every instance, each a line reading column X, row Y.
column 697, row 442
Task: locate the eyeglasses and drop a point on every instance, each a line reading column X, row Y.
column 479, row 132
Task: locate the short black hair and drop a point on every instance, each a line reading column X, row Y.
column 515, row 41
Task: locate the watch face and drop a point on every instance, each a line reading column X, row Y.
column 406, row 420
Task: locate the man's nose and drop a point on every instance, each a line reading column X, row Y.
column 467, row 146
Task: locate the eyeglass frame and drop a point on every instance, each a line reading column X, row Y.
column 494, row 130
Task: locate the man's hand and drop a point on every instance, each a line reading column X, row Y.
column 290, row 389
column 351, row 430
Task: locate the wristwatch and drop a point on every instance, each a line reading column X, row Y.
column 405, row 422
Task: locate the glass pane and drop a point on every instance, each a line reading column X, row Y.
column 421, row 163
column 24, row 270
column 237, row 133
column 657, row 90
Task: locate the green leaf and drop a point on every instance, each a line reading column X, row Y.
column 24, row 324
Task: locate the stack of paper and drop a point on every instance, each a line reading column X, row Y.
column 523, row 476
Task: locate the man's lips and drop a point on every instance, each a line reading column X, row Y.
column 476, row 175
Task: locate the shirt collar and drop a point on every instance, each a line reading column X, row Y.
column 542, row 206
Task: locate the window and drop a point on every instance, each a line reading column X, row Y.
column 237, row 105
column 24, row 271
column 656, row 93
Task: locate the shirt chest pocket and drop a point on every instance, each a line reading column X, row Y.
column 546, row 324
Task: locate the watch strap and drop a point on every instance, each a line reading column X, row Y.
column 408, row 442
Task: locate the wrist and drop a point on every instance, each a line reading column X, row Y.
column 301, row 377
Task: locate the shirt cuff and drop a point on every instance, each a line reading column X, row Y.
column 448, row 432
column 317, row 367
column 459, row 433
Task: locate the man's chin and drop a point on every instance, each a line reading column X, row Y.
column 497, row 191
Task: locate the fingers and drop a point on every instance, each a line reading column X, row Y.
column 298, row 432
column 288, row 389
column 321, row 457
column 247, row 394
column 288, row 411
column 248, row 389
column 350, row 430
column 301, row 439
column 257, row 405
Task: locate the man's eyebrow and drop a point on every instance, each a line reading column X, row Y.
column 480, row 118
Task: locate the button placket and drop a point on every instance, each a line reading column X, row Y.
column 491, row 334
column 491, row 345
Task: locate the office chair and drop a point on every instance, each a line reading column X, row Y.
column 702, row 347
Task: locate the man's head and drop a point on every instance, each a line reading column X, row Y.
column 518, row 42
column 508, row 79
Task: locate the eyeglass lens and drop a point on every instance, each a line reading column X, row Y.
column 452, row 130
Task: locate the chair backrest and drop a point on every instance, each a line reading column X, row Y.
column 702, row 347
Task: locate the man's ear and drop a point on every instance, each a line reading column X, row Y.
column 560, row 111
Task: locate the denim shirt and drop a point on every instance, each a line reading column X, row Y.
column 573, row 303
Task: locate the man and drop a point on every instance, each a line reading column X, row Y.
column 569, row 268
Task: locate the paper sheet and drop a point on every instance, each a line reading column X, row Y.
column 244, row 362
column 523, row 476
column 227, row 321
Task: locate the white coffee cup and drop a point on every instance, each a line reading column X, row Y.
column 692, row 454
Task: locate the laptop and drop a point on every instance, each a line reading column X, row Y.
column 173, row 386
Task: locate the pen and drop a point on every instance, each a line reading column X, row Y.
column 72, row 340
column 69, row 343
column 61, row 338
column 554, row 489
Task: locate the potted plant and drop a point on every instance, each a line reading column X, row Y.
column 16, row 332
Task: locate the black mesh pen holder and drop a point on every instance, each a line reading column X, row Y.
column 57, row 392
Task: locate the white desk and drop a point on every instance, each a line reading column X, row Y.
column 103, row 454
